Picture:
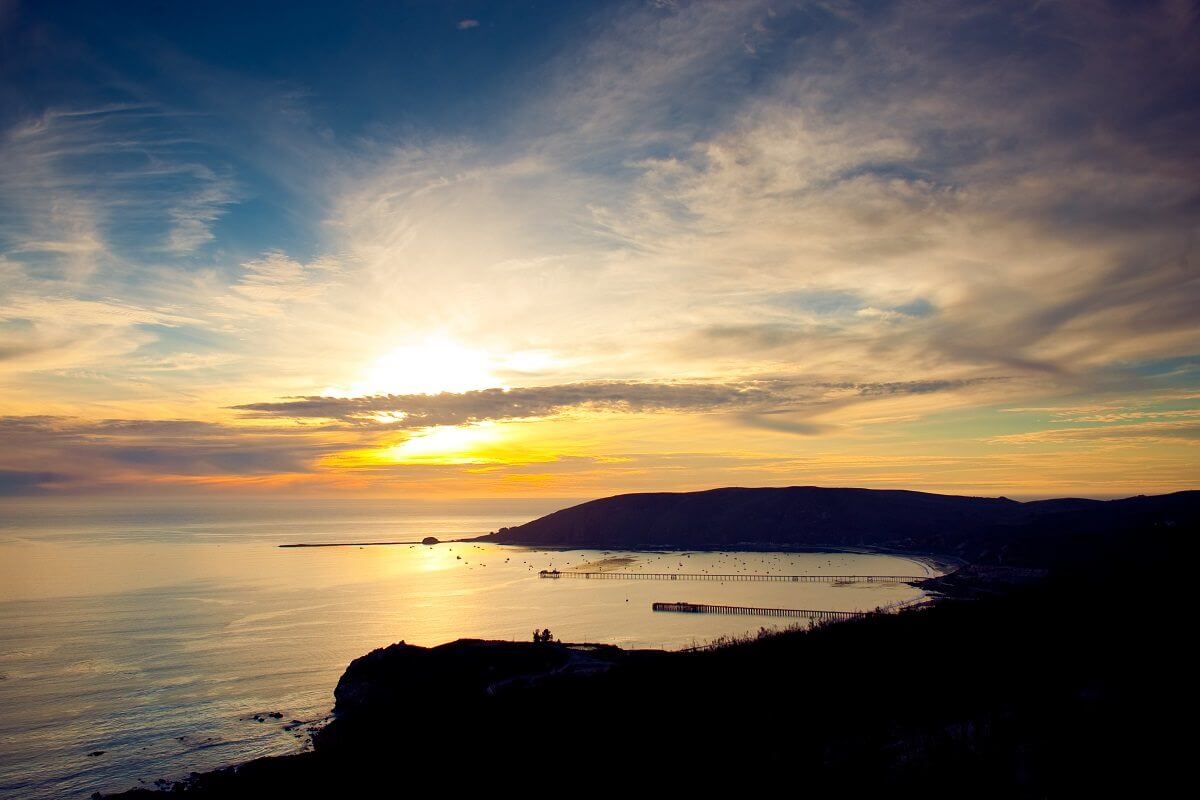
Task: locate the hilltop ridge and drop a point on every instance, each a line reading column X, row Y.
column 973, row 528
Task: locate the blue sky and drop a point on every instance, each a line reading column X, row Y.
column 213, row 85
column 934, row 245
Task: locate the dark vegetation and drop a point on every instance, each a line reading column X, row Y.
column 1069, row 685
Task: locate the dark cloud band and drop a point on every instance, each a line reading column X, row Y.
column 418, row 410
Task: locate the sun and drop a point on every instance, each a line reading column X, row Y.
column 433, row 366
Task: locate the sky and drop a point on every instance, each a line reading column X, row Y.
column 558, row 249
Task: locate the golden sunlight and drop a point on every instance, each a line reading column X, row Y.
column 483, row 445
column 436, row 365
column 444, row 444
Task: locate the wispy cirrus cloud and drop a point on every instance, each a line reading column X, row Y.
column 271, row 283
column 865, row 159
column 1170, row 430
column 85, row 184
column 790, row 221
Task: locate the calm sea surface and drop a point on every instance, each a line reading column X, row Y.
column 161, row 634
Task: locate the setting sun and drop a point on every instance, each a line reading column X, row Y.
column 435, row 365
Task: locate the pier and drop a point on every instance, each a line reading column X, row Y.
column 701, row 608
column 707, row 576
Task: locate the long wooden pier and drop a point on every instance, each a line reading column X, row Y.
column 702, row 608
column 709, row 576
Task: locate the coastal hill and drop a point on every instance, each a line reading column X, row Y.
column 973, row 528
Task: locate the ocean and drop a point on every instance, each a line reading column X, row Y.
column 145, row 640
